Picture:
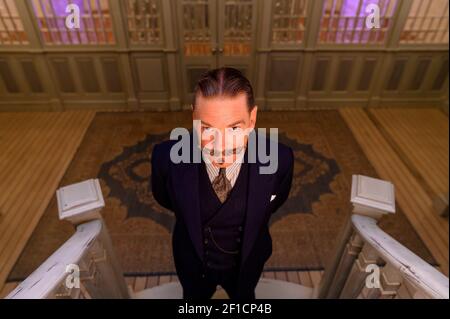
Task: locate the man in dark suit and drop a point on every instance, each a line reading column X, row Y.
column 223, row 202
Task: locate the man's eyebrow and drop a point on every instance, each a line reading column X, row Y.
column 229, row 125
column 207, row 124
column 235, row 123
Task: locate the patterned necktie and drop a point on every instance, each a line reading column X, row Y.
column 221, row 185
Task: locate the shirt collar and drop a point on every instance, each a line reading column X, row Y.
column 231, row 171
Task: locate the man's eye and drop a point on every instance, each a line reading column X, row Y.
column 207, row 128
column 235, row 128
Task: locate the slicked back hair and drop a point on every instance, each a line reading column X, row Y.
column 224, row 81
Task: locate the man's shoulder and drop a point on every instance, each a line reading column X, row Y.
column 284, row 151
column 161, row 152
column 164, row 146
column 285, row 156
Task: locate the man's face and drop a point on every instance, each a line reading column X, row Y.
column 224, row 126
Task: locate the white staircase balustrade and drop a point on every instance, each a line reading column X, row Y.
column 367, row 262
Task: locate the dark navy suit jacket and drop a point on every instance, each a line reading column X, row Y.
column 175, row 187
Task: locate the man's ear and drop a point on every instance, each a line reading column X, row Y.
column 192, row 111
column 253, row 114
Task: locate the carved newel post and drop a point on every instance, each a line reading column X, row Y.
column 345, row 275
column 102, row 276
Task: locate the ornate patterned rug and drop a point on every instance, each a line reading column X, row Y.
column 117, row 150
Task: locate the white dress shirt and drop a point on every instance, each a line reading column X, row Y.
column 231, row 171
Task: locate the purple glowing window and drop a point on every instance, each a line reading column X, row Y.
column 344, row 21
column 95, row 22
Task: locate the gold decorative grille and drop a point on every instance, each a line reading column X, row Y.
column 196, row 28
column 144, row 21
column 289, row 21
column 238, row 27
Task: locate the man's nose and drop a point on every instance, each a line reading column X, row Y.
column 219, row 141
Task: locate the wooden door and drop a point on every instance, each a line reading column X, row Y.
column 215, row 33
